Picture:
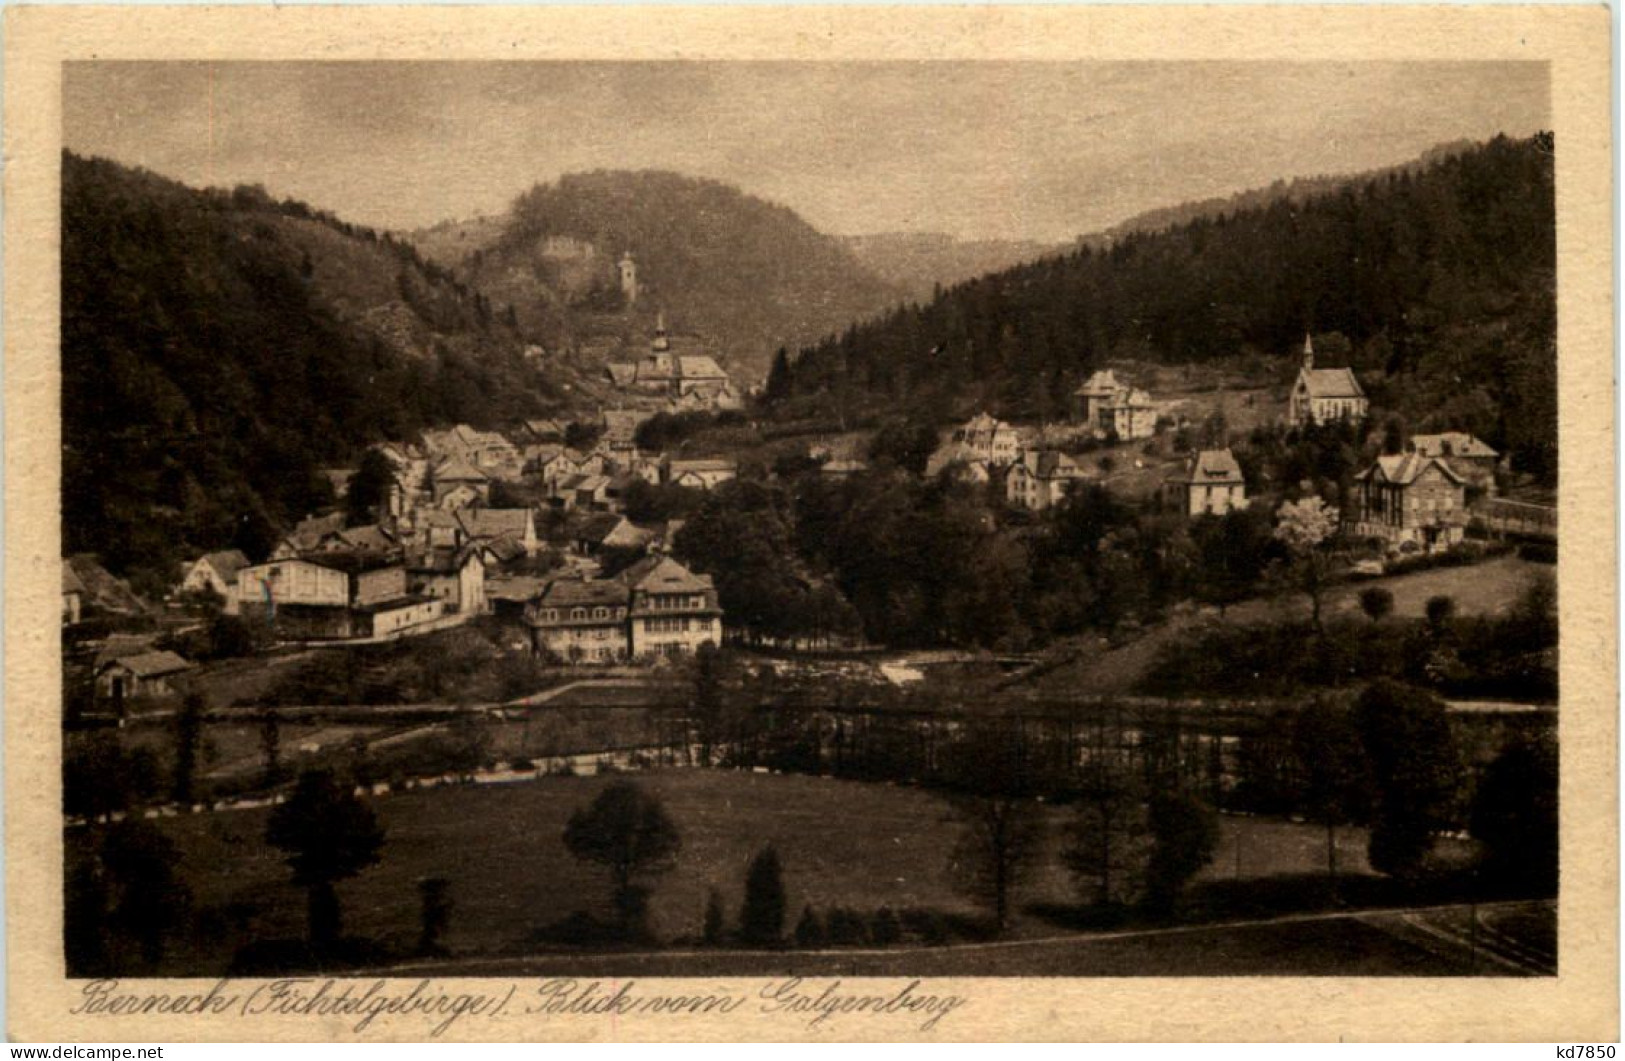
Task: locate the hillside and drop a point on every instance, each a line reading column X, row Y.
column 745, row 274
column 1296, row 190
column 917, row 262
column 219, row 347
column 1436, row 285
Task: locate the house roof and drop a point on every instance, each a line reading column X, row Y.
column 102, row 590
column 443, row 559
column 703, row 464
column 598, row 527
column 951, row 454
column 1210, row 466
column 1050, row 464
column 350, row 563
column 544, row 429
column 515, row 588
column 369, row 537
column 496, row 522
column 70, row 580
column 118, row 646
column 662, row 574
column 1331, row 383
column 153, row 664
column 621, row 373
column 622, row 424
column 569, row 592
column 314, row 528
column 1451, row 444
column 1403, row 469
column 502, row 549
column 699, row 366
column 226, row 562
column 1102, row 384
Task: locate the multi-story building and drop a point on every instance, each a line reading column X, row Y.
column 581, row 621
column 1113, row 409
column 335, row 596
column 993, row 440
column 1467, row 456
column 656, row 607
column 1211, row 483
column 1406, row 499
column 1041, row 478
column 673, row 610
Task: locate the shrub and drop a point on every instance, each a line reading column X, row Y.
column 885, row 929
column 846, row 928
column 1538, row 552
column 761, row 918
column 810, row 933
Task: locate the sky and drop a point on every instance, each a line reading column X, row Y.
column 1006, row 150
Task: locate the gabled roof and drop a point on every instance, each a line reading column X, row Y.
column 350, row 563
column 1102, row 384
column 515, row 587
column 951, row 454
column 367, row 538
column 621, row 373
column 149, row 664
column 1451, row 444
column 592, row 483
column 1212, row 467
column 70, row 580
column 598, row 527
column 313, row 529
column 226, row 562
column 544, row 429
column 444, row 560
column 118, row 646
column 662, row 574
column 1331, row 383
column 699, row 366
column 569, row 593
column 1403, row 469
column 702, row 464
column 496, row 522
column 102, row 590
column 1050, row 464
column 457, row 470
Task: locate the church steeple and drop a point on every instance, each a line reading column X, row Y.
column 661, row 342
column 1308, row 351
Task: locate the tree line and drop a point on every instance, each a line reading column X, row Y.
column 1441, row 281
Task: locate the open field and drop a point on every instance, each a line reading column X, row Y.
column 843, row 843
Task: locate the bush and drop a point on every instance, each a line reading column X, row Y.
column 1538, row 552
column 810, row 933
column 761, row 918
column 885, row 929
column 846, row 928
column 521, row 764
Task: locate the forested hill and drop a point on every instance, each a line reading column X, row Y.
column 746, row 274
column 218, row 347
column 1441, row 280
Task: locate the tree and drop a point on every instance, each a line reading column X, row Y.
column 779, row 382
column 1377, row 602
column 271, row 747
column 1515, row 816
column 1184, row 835
column 188, row 739
column 1107, row 838
column 1413, row 759
column 1303, row 528
column 146, row 899
column 628, row 832
column 434, row 914
column 369, row 489
column 1440, row 611
column 1336, row 774
column 761, row 918
column 330, row 836
column 582, row 435
column 715, row 925
column 1002, row 831
column 905, row 443
column 886, row 930
column 708, row 700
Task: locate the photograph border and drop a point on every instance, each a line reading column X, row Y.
column 1579, row 1004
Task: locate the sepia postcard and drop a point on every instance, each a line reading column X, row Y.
column 863, row 523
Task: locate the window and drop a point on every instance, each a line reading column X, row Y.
column 600, row 613
column 578, row 613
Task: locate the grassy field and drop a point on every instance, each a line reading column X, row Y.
column 1482, row 589
column 849, row 843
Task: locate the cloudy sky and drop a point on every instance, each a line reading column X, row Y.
column 1010, row 150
